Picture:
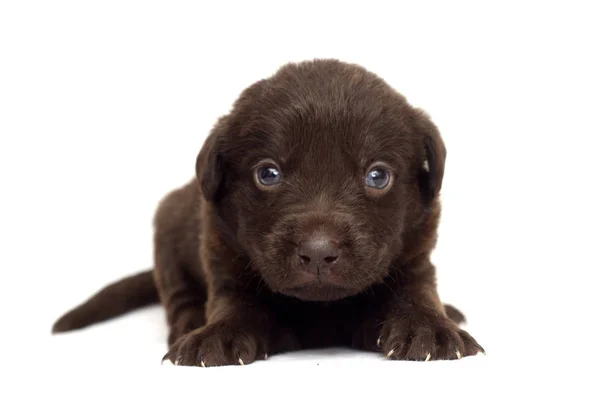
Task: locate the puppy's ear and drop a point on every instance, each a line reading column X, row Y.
column 431, row 172
column 209, row 167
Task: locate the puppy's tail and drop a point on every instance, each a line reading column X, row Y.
column 454, row 314
column 118, row 298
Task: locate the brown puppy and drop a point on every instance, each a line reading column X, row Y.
column 310, row 223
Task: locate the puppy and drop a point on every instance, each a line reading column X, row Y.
column 310, row 223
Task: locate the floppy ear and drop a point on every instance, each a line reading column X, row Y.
column 209, row 168
column 431, row 173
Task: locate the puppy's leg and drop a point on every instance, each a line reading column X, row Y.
column 414, row 324
column 239, row 325
column 182, row 296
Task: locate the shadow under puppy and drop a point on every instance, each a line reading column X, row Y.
column 310, row 223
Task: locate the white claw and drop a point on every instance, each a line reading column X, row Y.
column 428, row 357
column 240, row 361
column 266, row 356
column 379, row 341
column 458, row 355
column 390, row 353
column 202, row 364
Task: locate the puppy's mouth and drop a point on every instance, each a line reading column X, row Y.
column 320, row 292
column 319, row 287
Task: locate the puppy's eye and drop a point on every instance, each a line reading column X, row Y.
column 268, row 175
column 378, row 178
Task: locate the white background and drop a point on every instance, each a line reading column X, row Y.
column 104, row 105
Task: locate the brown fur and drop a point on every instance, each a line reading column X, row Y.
column 317, row 259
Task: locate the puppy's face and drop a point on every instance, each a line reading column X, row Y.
column 321, row 172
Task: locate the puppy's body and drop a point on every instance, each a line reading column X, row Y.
column 310, row 223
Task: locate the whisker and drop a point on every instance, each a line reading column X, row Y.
column 261, row 284
column 391, row 290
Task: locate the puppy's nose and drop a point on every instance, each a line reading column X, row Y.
column 318, row 250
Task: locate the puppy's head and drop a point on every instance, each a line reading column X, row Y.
column 325, row 177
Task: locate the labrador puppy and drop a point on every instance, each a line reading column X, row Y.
column 309, row 223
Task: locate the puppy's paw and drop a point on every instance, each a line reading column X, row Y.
column 218, row 344
column 425, row 338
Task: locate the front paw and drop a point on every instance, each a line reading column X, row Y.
column 222, row 343
column 423, row 337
